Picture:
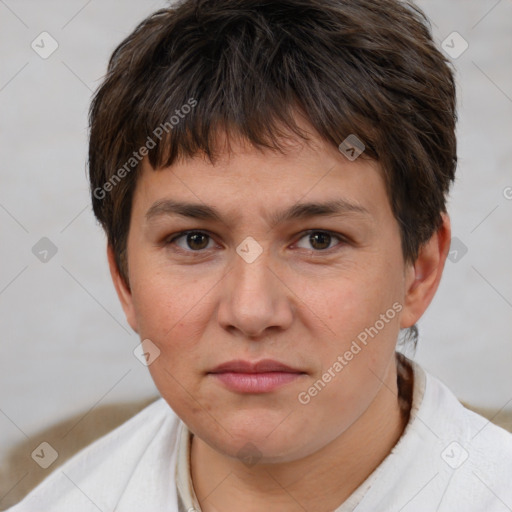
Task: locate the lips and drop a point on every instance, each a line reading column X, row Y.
column 259, row 377
column 263, row 366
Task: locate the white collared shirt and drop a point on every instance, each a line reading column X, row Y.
column 448, row 459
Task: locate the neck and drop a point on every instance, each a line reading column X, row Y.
column 319, row 482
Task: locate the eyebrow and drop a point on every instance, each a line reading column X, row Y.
column 170, row 207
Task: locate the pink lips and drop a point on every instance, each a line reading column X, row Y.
column 260, row 377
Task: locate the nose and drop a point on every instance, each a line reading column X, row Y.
column 254, row 301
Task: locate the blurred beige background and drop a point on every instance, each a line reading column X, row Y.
column 67, row 369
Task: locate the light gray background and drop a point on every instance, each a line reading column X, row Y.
column 65, row 345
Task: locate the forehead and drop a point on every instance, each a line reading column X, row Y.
column 252, row 179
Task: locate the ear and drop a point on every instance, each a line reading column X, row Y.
column 423, row 277
column 123, row 291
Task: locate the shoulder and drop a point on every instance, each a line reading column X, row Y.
column 478, row 433
column 476, row 453
column 100, row 474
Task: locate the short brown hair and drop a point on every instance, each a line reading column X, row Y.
column 244, row 67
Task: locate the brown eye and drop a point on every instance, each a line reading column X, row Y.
column 197, row 241
column 194, row 241
column 318, row 240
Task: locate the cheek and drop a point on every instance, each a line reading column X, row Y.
column 355, row 359
column 346, row 302
column 361, row 309
column 172, row 312
column 173, row 309
column 170, row 302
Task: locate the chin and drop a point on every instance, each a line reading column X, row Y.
column 257, row 440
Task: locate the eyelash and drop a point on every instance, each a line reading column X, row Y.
column 341, row 239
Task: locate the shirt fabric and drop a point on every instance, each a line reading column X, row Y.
column 448, row 459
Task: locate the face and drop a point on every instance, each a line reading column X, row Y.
column 279, row 292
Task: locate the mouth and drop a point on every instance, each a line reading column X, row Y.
column 259, row 377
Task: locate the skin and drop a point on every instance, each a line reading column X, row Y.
column 298, row 303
